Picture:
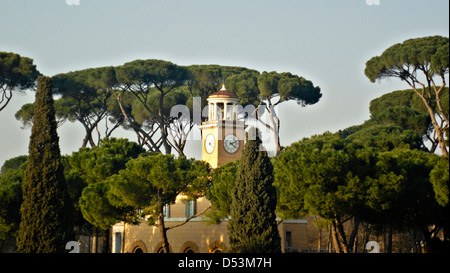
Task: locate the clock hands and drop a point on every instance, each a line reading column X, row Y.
column 209, row 143
column 233, row 143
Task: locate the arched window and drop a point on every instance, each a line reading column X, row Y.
column 138, row 247
column 189, row 247
column 138, row 250
column 160, row 250
column 216, row 250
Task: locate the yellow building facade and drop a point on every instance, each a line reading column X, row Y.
column 222, row 142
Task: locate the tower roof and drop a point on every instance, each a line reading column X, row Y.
column 223, row 93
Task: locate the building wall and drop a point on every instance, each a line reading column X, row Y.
column 199, row 237
column 298, row 232
column 195, row 236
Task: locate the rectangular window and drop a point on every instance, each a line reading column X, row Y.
column 190, row 208
column 117, row 242
column 166, row 211
column 288, row 239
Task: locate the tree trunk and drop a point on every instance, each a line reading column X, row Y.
column 319, row 240
column 163, row 232
column 389, row 240
column 438, row 99
column 341, row 235
column 351, row 240
column 438, row 130
column 94, row 240
column 329, row 239
column 7, row 97
column 137, row 129
column 105, row 241
column 122, row 249
column 88, row 138
column 355, row 245
column 275, row 127
column 414, row 240
column 334, row 235
column 162, row 126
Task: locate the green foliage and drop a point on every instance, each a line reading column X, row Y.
column 404, row 117
column 439, row 178
column 252, row 227
column 13, row 164
column 219, row 191
column 428, row 56
column 16, row 73
column 398, row 120
column 25, row 114
column 64, row 110
column 83, row 171
column 399, row 98
column 400, row 193
column 322, row 176
column 153, row 181
column 91, row 168
column 163, row 75
column 429, row 53
column 245, row 85
column 98, row 163
column 140, row 94
column 86, row 97
column 351, row 174
column 203, row 80
column 288, row 87
column 97, row 208
column 284, row 87
column 143, row 78
column 386, row 137
column 45, row 224
column 11, row 177
column 405, row 109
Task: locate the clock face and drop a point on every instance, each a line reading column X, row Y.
column 210, row 142
column 231, row 143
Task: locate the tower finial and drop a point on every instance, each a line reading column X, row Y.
column 223, row 87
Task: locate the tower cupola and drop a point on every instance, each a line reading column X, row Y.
column 222, row 105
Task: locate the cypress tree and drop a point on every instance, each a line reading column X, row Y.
column 252, row 227
column 44, row 226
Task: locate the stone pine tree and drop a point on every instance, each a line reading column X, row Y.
column 44, row 226
column 252, row 227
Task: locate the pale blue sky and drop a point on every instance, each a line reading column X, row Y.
column 325, row 41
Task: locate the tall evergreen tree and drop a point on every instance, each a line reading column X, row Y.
column 44, row 226
column 252, row 227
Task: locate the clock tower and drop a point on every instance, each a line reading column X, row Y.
column 222, row 134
